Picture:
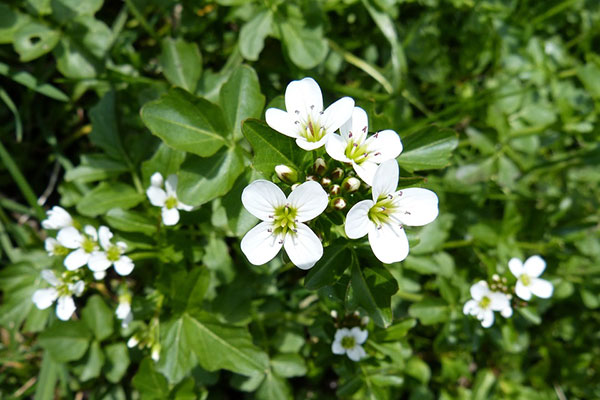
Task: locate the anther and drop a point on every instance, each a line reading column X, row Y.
column 382, row 208
column 391, row 196
column 365, row 129
column 349, row 134
column 281, row 241
column 407, row 212
column 271, row 216
column 297, row 122
column 295, row 230
column 312, row 107
column 400, row 193
column 377, row 154
column 270, row 230
column 355, row 144
column 321, row 112
column 297, row 111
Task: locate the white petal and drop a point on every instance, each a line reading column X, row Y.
column 157, row 196
column 132, row 342
column 184, row 207
column 389, row 243
column 470, row 307
column 417, row 207
column 261, row 198
column 171, row 185
column 336, row 148
column 522, row 291
column 65, row 307
column 357, row 220
column 105, row 235
column 359, row 335
column 122, row 246
column 49, row 276
column 301, row 95
column 99, row 275
column 384, row 146
column 282, row 122
column 50, row 244
column 91, row 232
column 499, row 301
column 156, row 180
column 124, row 266
column 43, row 298
column 341, row 333
column 507, row 312
column 488, row 319
column 304, row 247
column 336, row 348
column 99, row 262
column 57, row 218
column 259, row 245
column 309, row 199
column 77, row 288
column 356, row 353
column 309, row 146
column 170, row 216
column 366, row 171
column 479, row 289
column 541, row 288
column 69, row 237
column 386, row 179
column 123, row 310
column 534, row 266
column 516, row 267
column 337, row 114
column 357, row 127
column 76, row 259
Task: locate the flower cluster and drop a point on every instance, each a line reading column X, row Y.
column 372, row 158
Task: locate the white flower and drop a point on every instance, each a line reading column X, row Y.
column 82, row 244
column 485, row 302
column 384, row 217
column 112, row 255
column 305, row 119
column 528, row 280
column 167, row 200
column 352, row 146
column 282, row 224
column 57, row 218
column 54, row 248
column 61, row 290
column 349, row 341
column 123, row 311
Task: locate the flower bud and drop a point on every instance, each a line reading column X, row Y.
column 155, row 352
column 337, row 174
column 338, row 203
column 325, row 182
column 286, row 174
column 335, row 190
column 311, row 178
column 320, row 166
column 132, row 342
column 351, row 184
column 333, row 314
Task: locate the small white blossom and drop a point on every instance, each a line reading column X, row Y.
column 282, row 224
column 349, row 341
column 166, row 199
column 112, row 254
column 365, row 154
column 57, row 218
column 132, row 342
column 54, row 248
column 83, row 244
column 123, row 311
column 304, row 118
column 62, row 291
column 528, row 281
column 484, row 302
column 384, row 217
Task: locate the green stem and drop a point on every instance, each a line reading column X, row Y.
column 5, row 242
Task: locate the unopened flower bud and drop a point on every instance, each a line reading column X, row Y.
column 333, row 314
column 337, row 174
column 495, row 277
column 339, row 203
column 364, row 320
column 286, row 174
column 325, row 182
column 311, row 178
column 156, row 352
column 335, row 190
column 132, row 342
column 294, row 186
column 320, row 166
column 351, row 184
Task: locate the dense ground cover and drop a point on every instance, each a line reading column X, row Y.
column 495, row 103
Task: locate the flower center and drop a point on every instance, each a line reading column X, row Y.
column 357, row 152
column 525, row 279
column 312, row 130
column 60, row 250
column 88, row 245
column 284, row 220
column 382, row 211
column 485, row 302
column 113, row 253
column 348, row 342
column 171, row 202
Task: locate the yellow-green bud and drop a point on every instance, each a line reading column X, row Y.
column 286, row 174
column 320, row 166
column 351, row 184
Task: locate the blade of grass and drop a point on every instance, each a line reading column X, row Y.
column 13, row 108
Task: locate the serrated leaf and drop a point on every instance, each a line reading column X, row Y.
column 165, row 160
column 98, row 317
column 181, row 62
column 396, row 331
column 430, row 148
column 106, row 196
column 66, row 341
column 373, row 288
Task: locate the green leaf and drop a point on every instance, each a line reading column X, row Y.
column 28, row 80
column 95, row 167
column 289, row 365
column 274, row 388
column 105, row 132
column 149, row 382
column 10, row 22
column 117, row 362
column 204, row 179
column 188, row 289
column 98, row 317
column 336, row 259
column 430, row 311
column 47, row 378
column 66, row 10
column 92, row 364
column 74, row 61
column 181, row 62
column 130, row 221
column 106, row 196
column 373, row 288
column 396, row 331
column 418, row 369
column 241, row 98
column 18, row 283
column 33, row 40
column 186, row 123
column 165, row 160
column 589, row 74
column 304, row 45
column 430, row 148
column 254, row 33
column 66, row 341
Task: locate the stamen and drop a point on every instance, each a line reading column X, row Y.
column 349, row 134
column 377, row 154
column 297, row 111
column 271, row 216
column 312, row 107
column 400, row 193
column 355, row 144
column 270, row 230
column 321, row 112
column 407, row 212
column 365, row 129
column 391, row 196
column 382, row 208
column 281, row 241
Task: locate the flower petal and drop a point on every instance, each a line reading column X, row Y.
column 261, row 198
column 123, row 310
column 57, row 218
column 301, row 95
column 470, row 307
column 65, row 307
column 358, row 126
column 507, row 312
column 304, row 247
column 99, row 262
column 124, row 266
column 77, row 288
column 516, row 267
column 309, row 146
column 337, row 114
column 43, row 298
column 69, row 237
column 49, row 276
column 50, row 244
column 170, row 216
column 534, row 266
column 417, row 207
column 184, row 207
column 76, row 259
column 384, row 146
column 171, row 185
column 99, row 275
column 156, row 180
column 499, row 301
column 522, row 291
column 356, row 353
column 341, row 333
column 91, row 232
column 157, row 196
column 104, row 234
column 389, row 243
column 259, row 245
column 336, row 148
column 488, row 318
column 541, row 288
column 336, row 347
column 309, row 199
column 282, row 122
column 385, row 180
column 359, row 335
column 479, row 290
column 366, row 171
column 357, row 220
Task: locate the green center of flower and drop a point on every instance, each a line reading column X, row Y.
column 485, row 302
column 113, row 253
column 60, row 250
column 357, row 153
column 171, row 202
column 284, row 220
column 381, row 212
column 525, row 279
column 348, row 342
column 88, row 245
column 312, row 131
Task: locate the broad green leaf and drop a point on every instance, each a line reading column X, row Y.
column 254, row 33
column 430, row 311
column 430, row 148
column 188, row 289
column 204, row 179
column 181, row 62
column 304, row 44
column 28, row 80
column 336, row 259
column 373, row 288
column 117, row 361
column 66, row 341
column 589, row 74
column 274, row 387
column 131, row 221
column 33, row 40
column 106, row 196
column 289, row 365
column 92, row 363
column 10, row 21
column 67, row 10
column 150, row 383
column 241, row 98
column 105, row 132
column 95, row 167
column 186, row 123
column 396, row 331
column 186, row 390
column 74, row 61
column 98, row 317
column 418, row 369
column 165, row 160
column 92, row 36
column 177, row 355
